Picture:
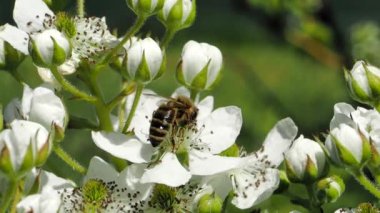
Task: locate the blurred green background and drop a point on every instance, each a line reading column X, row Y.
column 281, row 58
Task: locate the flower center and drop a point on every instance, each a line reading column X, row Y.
column 95, row 194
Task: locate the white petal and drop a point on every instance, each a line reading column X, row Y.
column 279, row 140
column 13, row 111
column 187, row 6
column 221, row 184
column 29, row 203
column 99, row 169
column 46, row 108
column 50, row 181
column 252, row 190
column 130, row 178
column 121, row 146
column 30, row 15
column 205, row 108
column 202, row 163
column 18, row 39
column 153, row 55
column 220, row 130
column 342, row 113
column 168, row 171
column 194, row 59
column 134, row 58
column 181, row 91
column 216, row 60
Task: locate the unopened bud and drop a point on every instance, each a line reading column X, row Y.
column 329, row 189
column 210, row 203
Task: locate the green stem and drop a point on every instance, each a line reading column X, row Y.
column 17, row 197
column 133, row 30
column 169, row 34
column 9, row 195
column 367, row 184
column 193, row 94
column 68, row 159
column 80, row 8
column 313, row 207
column 139, row 89
column 102, row 110
column 66, row 85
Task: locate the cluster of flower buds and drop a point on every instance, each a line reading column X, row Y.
column 363, row 81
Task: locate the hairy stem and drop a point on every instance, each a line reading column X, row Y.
column 365, row 182
column 80, row 8
column 68, row 159
column 169, row 35
column 133, row 30
column 66, row 85
column 17, row 196
column 139, row 89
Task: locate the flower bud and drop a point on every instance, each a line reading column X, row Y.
column 363, row 81
column 178, row 14
column 329, row 189
column 145, row 8
column 348, row 147
column 305, row 161
column 49, row 48
column 23, row 146
column 210, row 203
column 200, row 65
column 144, row 61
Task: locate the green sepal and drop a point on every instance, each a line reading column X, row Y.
column 59, row 54
column 162, row 67
column 143, row 74
column 57, row 134
column 344, row 154
column 210, row 203
column 174, row 18
column 36, row 55
column 216, row 81
column 35, row 186
column 144, row 6
column 373, row 81
column 56, row 5
column 42, row 154
column 183, row 157
column 124, row 70
column 356, row 91
column 28, row 161
column 179, row 75
column 375, row 157
column 325, row 190
column 12, row 56
column 290, row 173
column 367, row 150
column 284, row 183
column 193, row 13
column 311, row 171
column 5, row 162
column 200, row 80
column 232, row 151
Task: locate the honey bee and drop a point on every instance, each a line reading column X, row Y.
column 170, row 117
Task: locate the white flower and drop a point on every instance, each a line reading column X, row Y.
column 200, row 65
column 346, row 146
column 39, row 105
column 114, row 192
column 254, row 177
column 50, row 47
column 360, row 80
column 145, row 7
column 177, row 14
column 47, row 199
column 214, row 132
column 143, row 60
column 305, row 160
column 367, row 121
column 23, row 146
